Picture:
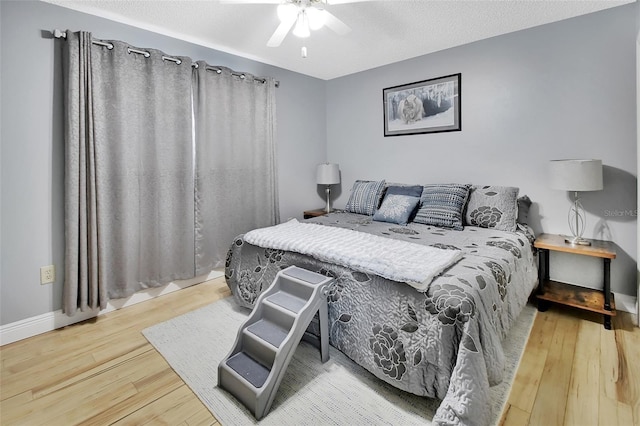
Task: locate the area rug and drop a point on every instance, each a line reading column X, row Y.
column 338, row 392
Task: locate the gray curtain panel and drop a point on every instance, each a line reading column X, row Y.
column 82, row 288
column 129, row 205
column 236, row 171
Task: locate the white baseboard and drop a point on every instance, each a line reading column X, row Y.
column 627, row 303
column 39, row 324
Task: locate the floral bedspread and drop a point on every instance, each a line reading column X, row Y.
column 443, row 343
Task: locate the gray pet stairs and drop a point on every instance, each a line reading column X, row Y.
column 265, row 343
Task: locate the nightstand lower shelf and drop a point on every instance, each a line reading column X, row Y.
column 577, row 297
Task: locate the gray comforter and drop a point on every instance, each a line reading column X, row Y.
column 443, row 343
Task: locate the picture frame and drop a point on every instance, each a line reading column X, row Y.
column 427, row 106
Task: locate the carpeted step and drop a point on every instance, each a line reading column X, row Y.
column 249, row 369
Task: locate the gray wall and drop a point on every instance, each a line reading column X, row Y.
column 558, row 91
column 563, row 90
column 32, row 141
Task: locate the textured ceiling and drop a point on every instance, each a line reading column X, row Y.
column 382, row 31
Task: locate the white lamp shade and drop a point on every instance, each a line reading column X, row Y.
column 328, row 174
column 576, row 175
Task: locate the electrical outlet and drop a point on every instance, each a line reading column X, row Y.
column 47, row 274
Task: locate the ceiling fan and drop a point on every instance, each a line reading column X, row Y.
column 303, row 16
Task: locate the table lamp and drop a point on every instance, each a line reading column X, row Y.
column 576, row 176
column 328, row 174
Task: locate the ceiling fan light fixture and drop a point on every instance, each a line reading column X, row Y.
column 316, row 17
column 302, row 26
column 300, row 17
column 287, row 12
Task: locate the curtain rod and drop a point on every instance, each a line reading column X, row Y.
column 63, row 34
column 237, row 74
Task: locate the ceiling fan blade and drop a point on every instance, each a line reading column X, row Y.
column 335, row 24
column 280, row 33
column 249, row 1
column 330, row 2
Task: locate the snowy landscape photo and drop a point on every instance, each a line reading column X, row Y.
column 427, row 106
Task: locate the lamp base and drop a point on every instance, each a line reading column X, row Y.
column 577, row 222
column 328, row 206
column 577, row 241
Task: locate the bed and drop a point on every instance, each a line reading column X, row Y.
column 443, row 342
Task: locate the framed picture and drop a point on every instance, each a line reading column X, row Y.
column 429, row 106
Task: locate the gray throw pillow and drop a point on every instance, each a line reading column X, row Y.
column 443, row 205
column 365, row 197
column 493, row 207
column 396, row 208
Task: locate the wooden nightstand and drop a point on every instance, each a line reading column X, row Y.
column 600, row 301
column 308, row 214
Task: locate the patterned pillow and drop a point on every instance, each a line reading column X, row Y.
column 524, row 204
column 443, row 205
column 396, row 208
column 493, row 207
column 411, row 190
column 365, row 197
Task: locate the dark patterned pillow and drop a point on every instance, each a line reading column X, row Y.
column 494, row 207
column 411, row 190
column 365, row 197
column 443, row 205
column 524, row 204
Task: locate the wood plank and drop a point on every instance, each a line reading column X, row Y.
column 13, row 384
column 607, row 411
column 201, row 418
column 149, row 389
column 185, row 407
column 175, row 405
column 627, row 340
column 59, row 382
column 26, row 349
column 527, row 379
column 59, row 366
column 87, row 403
column 608, row 405
column 20, row 400
column 108, row 384
column 513, row 416
column 551, row 399
column 584, row 389
column 625, row 414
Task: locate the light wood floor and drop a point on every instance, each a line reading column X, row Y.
column 103, row 371
column 574, row 372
